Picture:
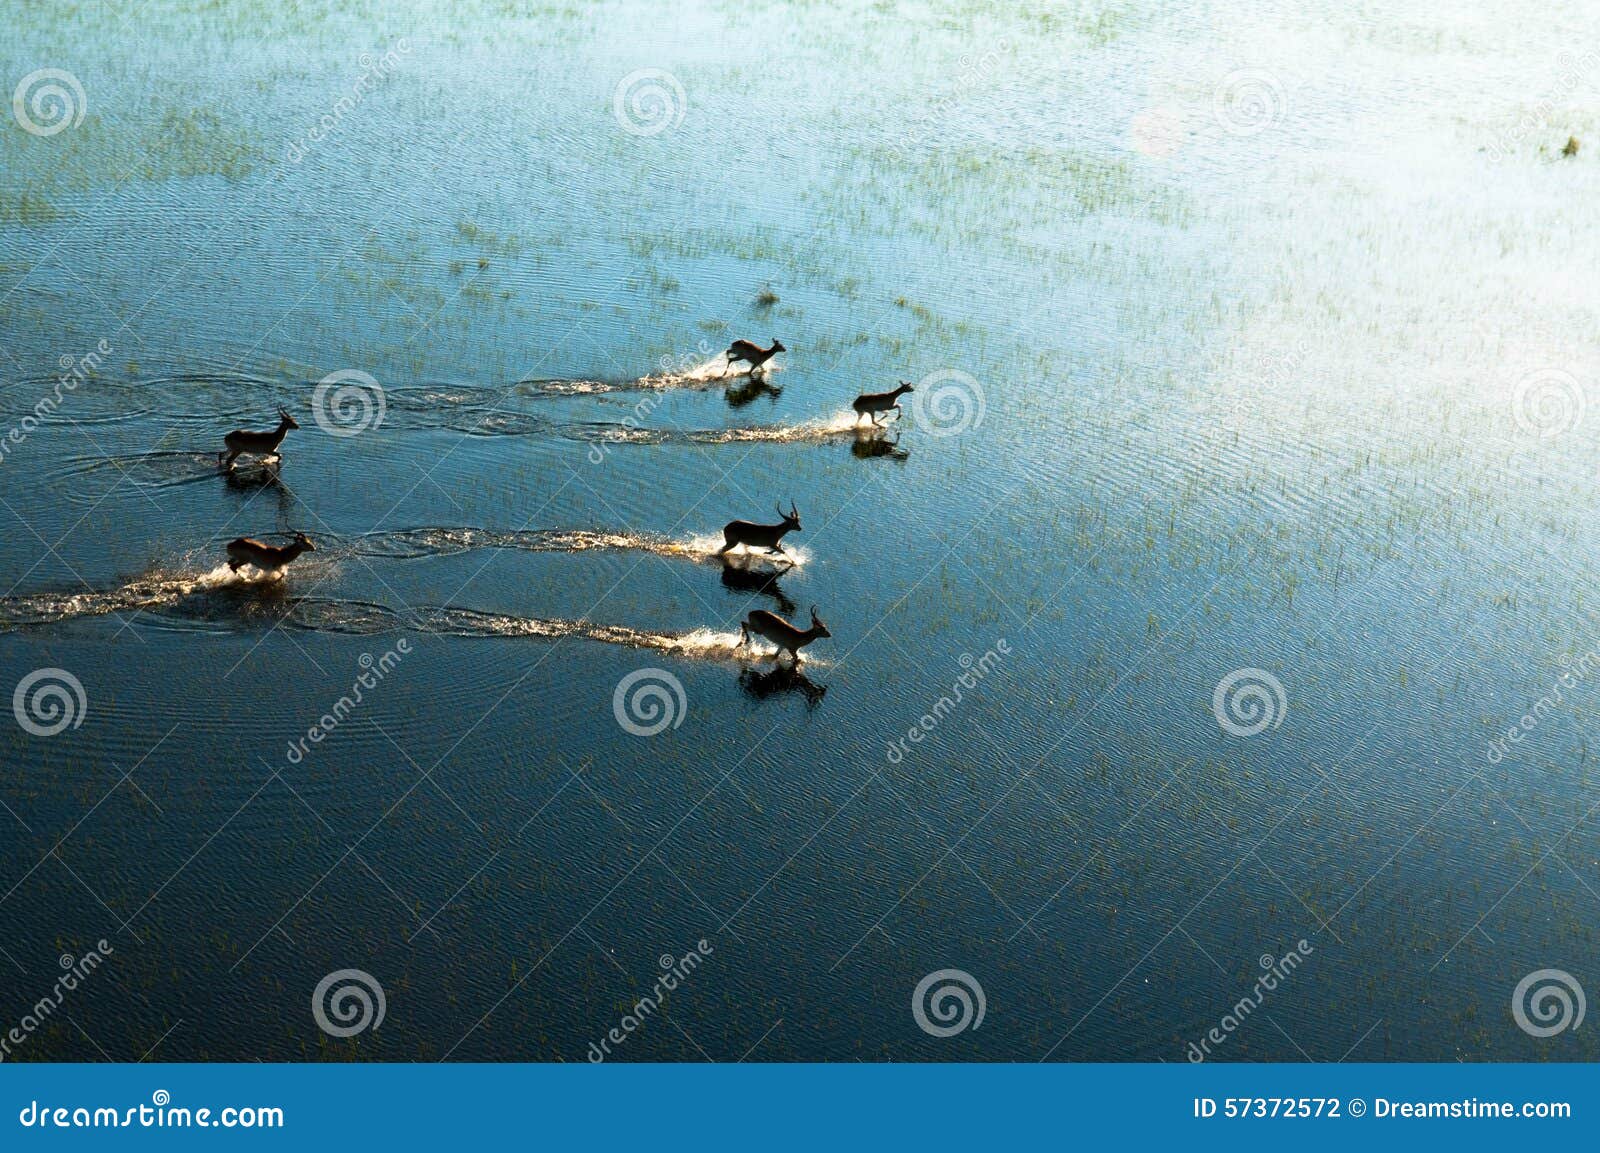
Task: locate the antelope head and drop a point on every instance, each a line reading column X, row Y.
column 288, row 421
column 791, row 519
column 905, row 386
column 816, row 624
column 777, row 345
column 304, row 542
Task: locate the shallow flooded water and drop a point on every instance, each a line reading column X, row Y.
column 1218, row 597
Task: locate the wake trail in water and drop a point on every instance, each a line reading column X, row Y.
column 709, row 374
column 416, row 543
column 825, row 428
column 223, row 601
column 157, row 590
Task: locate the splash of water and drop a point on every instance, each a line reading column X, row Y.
column 155, row 590
column 410, row 544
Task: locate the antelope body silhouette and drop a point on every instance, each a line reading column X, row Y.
column 268, row 558
column 242, row 440
column 873, row 403
column 764, row 536
column 752, row 354
column 789, row 638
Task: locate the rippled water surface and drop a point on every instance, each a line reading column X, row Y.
column 1249, row 337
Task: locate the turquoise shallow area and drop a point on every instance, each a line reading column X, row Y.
column 1249, row 337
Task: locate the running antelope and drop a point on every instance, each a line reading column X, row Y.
column 753, row 354
column 765, row 536
column 261, row 443
column 781, row 633
column 268, row 558
column 873, row 403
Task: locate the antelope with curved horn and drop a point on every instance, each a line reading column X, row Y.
column 780, row 632
column 242, row 440
column 268, row 558
column 752, row 354
column 873, row 403
column 764, row 536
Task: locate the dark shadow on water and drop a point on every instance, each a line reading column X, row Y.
column 870, row 443
column 745, row 574
column 750, row 389
column 782, row 678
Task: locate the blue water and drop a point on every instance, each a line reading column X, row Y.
column 1248, row 337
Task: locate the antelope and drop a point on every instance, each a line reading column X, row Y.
column 781, row 633
column 753, row 354
column 873, row 403
column 262, row 443
column 268, row 558
column 766, row 536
